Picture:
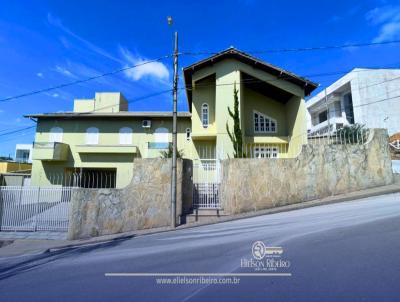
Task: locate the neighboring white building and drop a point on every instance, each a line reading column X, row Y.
column 23, row 153
column 365, row 96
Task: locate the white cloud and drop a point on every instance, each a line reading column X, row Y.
column 40, row 75
column 155, row 70
column 64, row 71
column 388, row 20
column 56, row 22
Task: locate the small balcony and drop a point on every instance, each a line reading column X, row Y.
column 50, row 151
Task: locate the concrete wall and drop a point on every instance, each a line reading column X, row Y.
column 319, row 171
column 143, row 204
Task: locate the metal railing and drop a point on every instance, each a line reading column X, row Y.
column 34, row 208
column 206, row 184
column 85, row 179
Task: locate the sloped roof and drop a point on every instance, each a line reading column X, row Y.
column 245, row 58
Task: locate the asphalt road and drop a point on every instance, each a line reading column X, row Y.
column 340, row 252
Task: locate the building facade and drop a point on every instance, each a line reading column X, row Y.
column 102, row 136
column 23, row 153
column 368, row 97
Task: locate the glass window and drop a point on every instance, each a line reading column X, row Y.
column 188, row 134
column 323, row 116
column 92, row 136
column 56, row 135
column 160, row 139
column 125, row 136
column 204, row 115
column 266, row 152
column 264, row 124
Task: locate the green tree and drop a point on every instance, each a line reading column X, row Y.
column 353, row 134
column 168, row 153
column 235, row 136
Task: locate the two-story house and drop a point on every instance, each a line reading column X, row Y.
column 102, row 136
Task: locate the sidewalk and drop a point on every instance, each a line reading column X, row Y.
column 30, row 246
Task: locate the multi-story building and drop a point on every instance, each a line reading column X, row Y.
column 101, row 135
column 23, row 153
column 368, row 97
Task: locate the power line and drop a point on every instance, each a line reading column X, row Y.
column 92, row 111
column 16, row 131
column 83, row 80
column 299, row 49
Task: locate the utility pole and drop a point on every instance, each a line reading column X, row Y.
column 174, row 131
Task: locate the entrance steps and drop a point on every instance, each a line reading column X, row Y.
column 204, row 215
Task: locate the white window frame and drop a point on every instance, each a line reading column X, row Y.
column 161, row 135
column 92, row 136
column 125, row 136
column 263, row 123
column 56, row 135
column 188, row 134
column 266, row 152
column 205, row 121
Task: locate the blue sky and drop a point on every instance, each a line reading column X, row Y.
column 46, row 43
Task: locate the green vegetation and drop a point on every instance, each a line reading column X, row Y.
column 236, row 137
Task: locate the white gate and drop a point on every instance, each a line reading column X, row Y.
column 34, row 208
column 206, row 183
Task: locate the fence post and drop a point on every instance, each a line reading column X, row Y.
column 37, row 210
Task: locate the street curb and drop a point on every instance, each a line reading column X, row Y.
column 391, row 189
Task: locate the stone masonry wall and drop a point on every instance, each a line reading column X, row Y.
column 319, row 171
column 143, row 204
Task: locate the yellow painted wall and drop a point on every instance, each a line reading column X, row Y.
column 204, row 92
column 213, row 85
column 75, row 136
column 290, row 117
column 297, row 124
column 14, row 167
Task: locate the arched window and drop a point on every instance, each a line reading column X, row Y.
column 92, row 136
column 188, row 134
column 56, row 135
column 264, row 124
column 161, row 138
column 125, row 136
column 204, row 115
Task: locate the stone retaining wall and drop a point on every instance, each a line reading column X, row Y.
column 319, row 171
column 143, row 204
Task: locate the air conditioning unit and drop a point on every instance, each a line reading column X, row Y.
column 146, row 123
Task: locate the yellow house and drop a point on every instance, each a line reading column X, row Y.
column 102, row 137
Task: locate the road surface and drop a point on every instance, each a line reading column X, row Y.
column 340, row 252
